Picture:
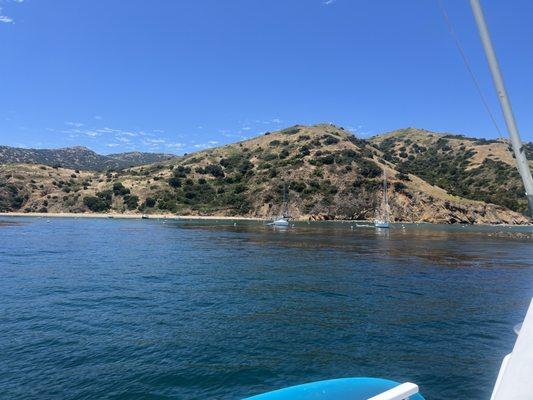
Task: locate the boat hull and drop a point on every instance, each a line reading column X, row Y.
column 280, row 222
column 338, row 389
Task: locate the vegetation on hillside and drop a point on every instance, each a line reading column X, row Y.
column 328, row 173
column 452, row 162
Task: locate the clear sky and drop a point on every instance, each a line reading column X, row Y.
column 179, row 75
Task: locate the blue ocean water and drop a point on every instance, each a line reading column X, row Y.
column 141, row 309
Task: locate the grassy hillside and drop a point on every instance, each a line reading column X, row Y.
column 329, row 173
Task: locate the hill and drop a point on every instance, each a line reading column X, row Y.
column 330, row 174
column 477, row 169
column 78, row 158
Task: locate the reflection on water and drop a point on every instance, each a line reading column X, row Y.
column 439, row 244
column 9, row 223
column 187, row 309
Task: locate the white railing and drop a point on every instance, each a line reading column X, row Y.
column 400, row 392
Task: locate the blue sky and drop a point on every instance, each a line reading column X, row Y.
column 177, row 76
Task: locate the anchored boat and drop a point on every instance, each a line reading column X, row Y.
column 382, row 220
column 283, row 219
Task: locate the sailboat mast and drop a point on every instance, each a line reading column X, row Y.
column 385, row 199
column 518, row 148
column 285, row 207
column 385, row 187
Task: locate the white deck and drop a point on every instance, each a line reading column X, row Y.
column 515, row 380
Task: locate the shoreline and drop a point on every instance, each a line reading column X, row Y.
column 210, row 218
column 126, row 216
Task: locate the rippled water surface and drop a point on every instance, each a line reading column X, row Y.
column 141, row 309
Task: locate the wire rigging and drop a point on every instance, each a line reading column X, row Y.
column 468, row 67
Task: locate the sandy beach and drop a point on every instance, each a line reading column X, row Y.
column 128, row 216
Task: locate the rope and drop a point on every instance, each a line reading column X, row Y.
column 468, row 67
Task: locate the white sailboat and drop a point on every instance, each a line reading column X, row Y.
column 283, row 219
column 382, row 220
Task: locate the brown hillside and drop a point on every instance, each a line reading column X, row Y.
column 330, row 174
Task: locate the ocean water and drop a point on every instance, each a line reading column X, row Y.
column 142, row 309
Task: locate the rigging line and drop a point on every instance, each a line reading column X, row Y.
column 468, row 67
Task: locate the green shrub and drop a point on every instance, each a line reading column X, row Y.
column 96, row 203
column 403, row 177
column 298, row 186
column 119, row 189
column 399, row 186
column 215, row 170
column 168, row 204
column 330, row 140
column 264, row 165
column 174, row 182
column 181, row 171
column 131, row 201
column 239, row 189
column 327, row 159
column 269, row 156
column 291, row 131
column 304, row 151
column 369, row 168
column 105, row 195
column 150, row 202
column 245, row 166
column 283, row 154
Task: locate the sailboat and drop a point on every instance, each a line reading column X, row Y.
column 282, row 220
column 382, row 221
